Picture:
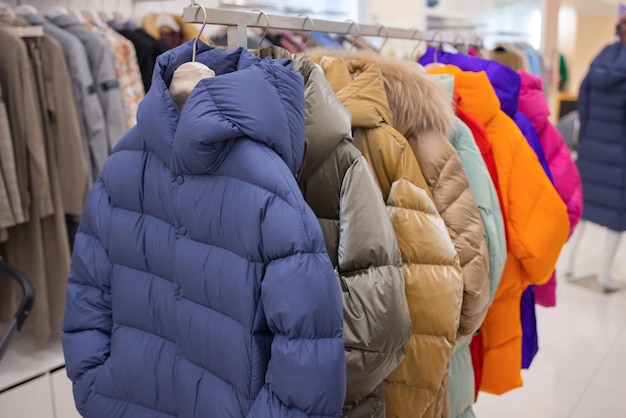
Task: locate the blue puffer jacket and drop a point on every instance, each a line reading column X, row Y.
column 200, row 284
column 602, row 148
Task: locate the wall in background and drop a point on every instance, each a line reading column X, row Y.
column 581, row 37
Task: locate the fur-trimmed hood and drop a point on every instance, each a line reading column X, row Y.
column 418, row 102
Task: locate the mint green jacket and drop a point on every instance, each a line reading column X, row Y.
column 461, row 377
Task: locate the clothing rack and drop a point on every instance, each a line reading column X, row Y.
column 238, row 22
column 24, row 309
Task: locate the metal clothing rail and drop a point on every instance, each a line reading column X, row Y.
column 238, row 22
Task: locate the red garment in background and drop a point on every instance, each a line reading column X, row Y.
column 478, row 355
column 480, row 136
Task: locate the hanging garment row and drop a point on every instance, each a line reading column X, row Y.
column 336, row 233
column 229, row 187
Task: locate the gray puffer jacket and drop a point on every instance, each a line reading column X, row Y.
column 338, row 185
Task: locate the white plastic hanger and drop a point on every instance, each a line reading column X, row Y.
column 188, row 75
column 77, row 14
column 26, row 9
column 436, row 64
column 91, row 15
column 56, row 11
column 106, row 15
column 168, row 21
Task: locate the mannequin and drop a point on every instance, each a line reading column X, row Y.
column 610, row 249
column 188, row 75
column 601, row 148
column 185, row 79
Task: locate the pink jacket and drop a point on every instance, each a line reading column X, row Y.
column 533, row 104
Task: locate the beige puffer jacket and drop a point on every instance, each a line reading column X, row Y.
column 339, row 186
column 424, row 114
column 431, row 265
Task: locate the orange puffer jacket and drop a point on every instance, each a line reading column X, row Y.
column 537, row 227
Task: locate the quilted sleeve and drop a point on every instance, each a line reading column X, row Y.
column 538, row 223
column 455, row 201
column 487, row 200
column 376, row 315
column 88, row 321
column 583, row 103
column 306, row 375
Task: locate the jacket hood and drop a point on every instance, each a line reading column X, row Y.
column 359, row 87
column 262, row 100
column 473, row 92
column 327, row 121
column 505, row 81
column 532, row 101
column 418, row 103
column 447, row 80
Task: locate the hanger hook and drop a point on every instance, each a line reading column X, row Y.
column 462, row 38
column 307, row 18
column 267, row 25
column 479, row 42
column 195, row 41
column 437, row 34
column 382, row 27
column 356, row 25
column 417, row 37
column 358, row 30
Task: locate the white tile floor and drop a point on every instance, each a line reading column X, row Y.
column 581, row 366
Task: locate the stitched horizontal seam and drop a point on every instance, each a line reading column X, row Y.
column 186, row 358
column 251, row 184
column 133, row 403
column 225, row 249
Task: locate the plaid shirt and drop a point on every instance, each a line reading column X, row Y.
column 127, row 69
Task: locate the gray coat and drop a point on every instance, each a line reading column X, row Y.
column 102, row 65
column 69, row 149
column 39, row 248
column 339, row 186
column 87, row 103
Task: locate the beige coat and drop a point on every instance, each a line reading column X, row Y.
column 424, row 114
column 38, row 248
column 433, row 282
column 11, row 212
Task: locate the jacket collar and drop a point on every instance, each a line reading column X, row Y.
column 359, row 86
column 532, row 101
column 504, row 80
column 261, row 100
column 327, row 121
column 474, row 93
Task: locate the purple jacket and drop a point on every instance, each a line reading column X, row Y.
column 507, row 84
